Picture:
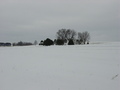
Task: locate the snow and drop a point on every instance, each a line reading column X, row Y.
column 80, row 67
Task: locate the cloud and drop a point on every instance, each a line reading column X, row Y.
column 35, row 19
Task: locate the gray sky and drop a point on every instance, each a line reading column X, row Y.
column 29, row 20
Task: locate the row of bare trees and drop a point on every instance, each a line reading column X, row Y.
column 64, row 36
column 68, row 34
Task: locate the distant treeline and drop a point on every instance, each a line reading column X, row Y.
column 15, row 44
column 22, row 43
column 5, row 44
column 68, row 37
column 63, row 37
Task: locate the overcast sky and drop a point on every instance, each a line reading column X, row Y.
column 29, row 20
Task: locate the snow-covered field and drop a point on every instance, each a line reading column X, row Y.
column 79, row 67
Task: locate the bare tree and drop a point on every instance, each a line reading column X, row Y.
column 70, row 34
column 61, row 34
column 84, row 37
column 66, row 34
column 80, row 38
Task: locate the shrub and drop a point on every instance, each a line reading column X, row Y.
column 48, row 42
column 41, row 43
column 60, row 42
column 70, row 42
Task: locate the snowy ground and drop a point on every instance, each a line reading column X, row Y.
column 79, row 67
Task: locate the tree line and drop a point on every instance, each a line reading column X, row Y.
column 16, row 44
column 63, row 37
column 68, row 36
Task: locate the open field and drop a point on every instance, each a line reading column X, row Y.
column 79, row 67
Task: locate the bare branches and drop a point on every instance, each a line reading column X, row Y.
column 84, row 37
column 66, row 34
